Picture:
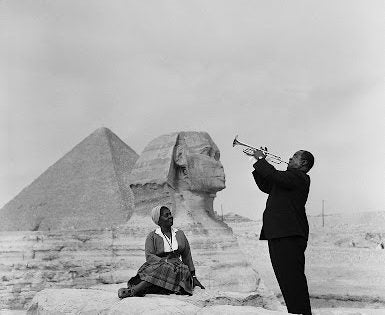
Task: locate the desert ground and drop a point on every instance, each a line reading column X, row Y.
column 344, row 259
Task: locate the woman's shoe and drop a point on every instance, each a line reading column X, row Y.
column 125, row 292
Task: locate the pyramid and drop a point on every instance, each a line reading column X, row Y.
column 85, row 189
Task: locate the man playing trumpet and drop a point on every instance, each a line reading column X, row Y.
column 285, row 224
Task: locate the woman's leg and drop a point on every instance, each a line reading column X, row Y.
column 134, row 290
column 141, row 287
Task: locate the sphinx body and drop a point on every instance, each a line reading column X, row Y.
column 183, row 171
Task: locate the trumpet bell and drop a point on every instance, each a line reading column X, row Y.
column 235, row 141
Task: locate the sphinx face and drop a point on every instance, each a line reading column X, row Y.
column 204, row 169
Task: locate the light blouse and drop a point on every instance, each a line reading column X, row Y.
column 156, row 247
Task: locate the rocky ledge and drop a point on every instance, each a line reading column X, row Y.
column 103, row 300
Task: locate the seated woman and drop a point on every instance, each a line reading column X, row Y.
column 164, row 272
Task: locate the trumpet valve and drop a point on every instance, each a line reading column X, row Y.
column 248, row 151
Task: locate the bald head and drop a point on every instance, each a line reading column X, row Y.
column 301, row 160
column 308, row 159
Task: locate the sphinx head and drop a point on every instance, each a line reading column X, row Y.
column 176, row 167
column 197, row 162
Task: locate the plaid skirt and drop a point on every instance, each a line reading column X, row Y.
column 173, row 276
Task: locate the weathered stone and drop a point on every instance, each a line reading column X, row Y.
column 239, row 310
column 179, row 170
column 104, row 300
column 69, row 301
column 78, row 264
column 153, row 306
column 203, row 298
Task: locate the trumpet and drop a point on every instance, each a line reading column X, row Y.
column 250, row 151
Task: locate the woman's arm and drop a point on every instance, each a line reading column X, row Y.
column 150, row 249
column 187, row 260
column 186, row 254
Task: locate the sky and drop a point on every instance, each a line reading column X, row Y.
column 289, row 75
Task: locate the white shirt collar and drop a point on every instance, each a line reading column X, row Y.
column 166, row 244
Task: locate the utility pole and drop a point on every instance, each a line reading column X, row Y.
column 323, row 213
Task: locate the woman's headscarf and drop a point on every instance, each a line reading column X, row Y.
column 155, row 214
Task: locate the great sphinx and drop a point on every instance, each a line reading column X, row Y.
column 183, row 171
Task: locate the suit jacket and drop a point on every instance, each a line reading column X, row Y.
column 285, row 207
column 154, row 247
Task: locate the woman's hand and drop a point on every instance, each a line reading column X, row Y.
column 196, row 283
column 173, row 255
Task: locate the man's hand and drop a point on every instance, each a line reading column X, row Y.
column 196, row 283
column 258, row 154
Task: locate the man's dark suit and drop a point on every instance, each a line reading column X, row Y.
column 286, row 228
